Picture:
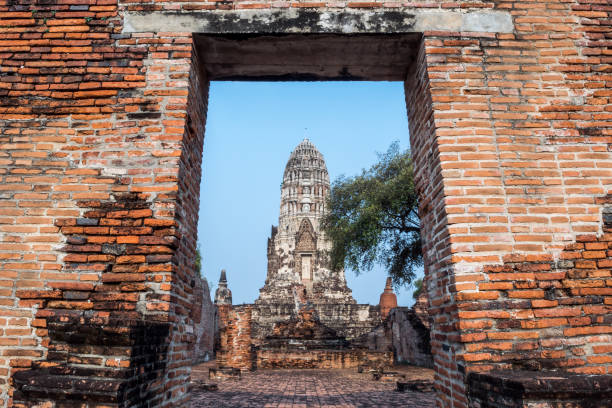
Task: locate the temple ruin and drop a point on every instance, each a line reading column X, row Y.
column 103, row 108
column 305, row 315
column 298, row 252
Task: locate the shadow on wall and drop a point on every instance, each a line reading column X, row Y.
column 101, row 347
column 204, row 322
column 67, row 375
column 410, row 338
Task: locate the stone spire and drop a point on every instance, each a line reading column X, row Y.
column 304, row 189
column 223, row 296
column 300, row 285
column 388, row 300
column 298, row 251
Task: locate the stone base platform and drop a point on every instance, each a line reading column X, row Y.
column 542, row 389
column 322, row 359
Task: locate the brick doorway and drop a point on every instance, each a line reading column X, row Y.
column 509, row 118
column 316, row 57
column 152, row 351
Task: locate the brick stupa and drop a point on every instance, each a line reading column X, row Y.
column 388, row 300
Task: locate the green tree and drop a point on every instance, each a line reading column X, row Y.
column 373, row 218
column 418, row 288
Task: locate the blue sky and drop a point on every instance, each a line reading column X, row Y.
column 252, row 128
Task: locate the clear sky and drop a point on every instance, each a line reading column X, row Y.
column 252, row 128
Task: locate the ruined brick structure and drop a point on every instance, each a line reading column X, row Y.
column 235, row 340
column 410, row 337
column 305, row 316
column 102, row 114
column 303, row 341
column 404, row 331
column 298, row 256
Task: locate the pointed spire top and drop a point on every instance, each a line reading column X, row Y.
column 305, row 148
column 388, row 287
column 223, row 296
column 388, row 300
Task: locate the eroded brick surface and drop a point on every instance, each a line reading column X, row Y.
column 510, row 132
column 309, row 388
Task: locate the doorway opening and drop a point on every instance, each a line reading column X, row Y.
column 269, row 60
column 223, row 59
column 252, row 127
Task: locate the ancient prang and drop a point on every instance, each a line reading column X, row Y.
column 305, row 315
column 298, row 256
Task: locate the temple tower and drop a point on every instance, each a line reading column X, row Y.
column 299, row 272
column 298, row 251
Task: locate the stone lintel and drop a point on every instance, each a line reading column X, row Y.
column 319, row 21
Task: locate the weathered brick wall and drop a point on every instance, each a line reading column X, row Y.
column 235, row 340
column 522, row 134
column 94, row 138
column 347, row 319
column 511, row 137
column 530, row 389
column 379, row 339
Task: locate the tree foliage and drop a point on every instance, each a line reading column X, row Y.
column 418, row 288
column 373, row 218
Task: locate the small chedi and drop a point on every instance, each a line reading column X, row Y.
column 388, row 300
column 305, row 315
column 223, row 296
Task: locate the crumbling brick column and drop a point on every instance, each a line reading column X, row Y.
column 235, row 342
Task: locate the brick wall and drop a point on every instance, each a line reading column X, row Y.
column 95, row 278
column 520, row 161
column 99, row 171
column 322, row 359
column 235, row 341
column 525, row 389
column 347, row 319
